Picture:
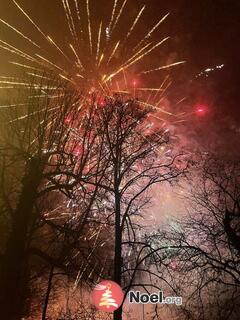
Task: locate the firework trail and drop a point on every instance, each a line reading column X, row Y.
column 109, row 68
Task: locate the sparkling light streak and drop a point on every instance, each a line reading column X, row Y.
column 148, row 35
column 109, row 69
column 119, row 14
column 127, row 65
column 89, row 25
column 58, row 48
column 99, row 41
column 113, row 14
column 20, row 33
column 79, row 63
column 209, row 70
column 113, row 52
column 164, row 67
column 135, row 21
column 28, row 17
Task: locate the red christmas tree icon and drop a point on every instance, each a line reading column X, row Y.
column 107, row 296
column 107, row 300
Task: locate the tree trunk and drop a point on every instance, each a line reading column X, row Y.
column 14, row 270
column 49, row 287
column 232, row 234
column 118, row 250
column 118, row 314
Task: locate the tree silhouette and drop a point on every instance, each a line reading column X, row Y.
column 75, row 186
column 202, row 258
column 135, row 164
column 46, row 149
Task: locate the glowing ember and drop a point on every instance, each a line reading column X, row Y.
column 201, row 110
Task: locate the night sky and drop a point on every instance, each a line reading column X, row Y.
column 204, row 33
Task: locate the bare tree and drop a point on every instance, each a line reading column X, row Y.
column 135, row 164
column 46, row 149
column 202, row 257
column 81, row 194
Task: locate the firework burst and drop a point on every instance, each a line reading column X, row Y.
column 94, row 59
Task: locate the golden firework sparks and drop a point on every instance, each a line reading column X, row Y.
column 113, row 13
column 58, row 48
column 99, row 41
column 135, row 22
column 89, row 26
column 25, row 66
column 79, row 63
column 20, row 33
column 99, row 71
column 28, row 17
column 163, row 67
column 8, row 47
column 119, row 15
column 49, row 62
column 148, row 35
column 113, row 52
column 136, row 59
